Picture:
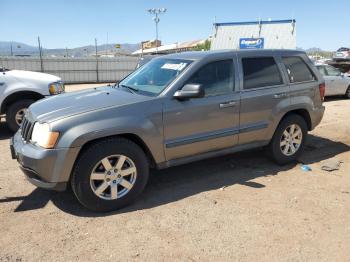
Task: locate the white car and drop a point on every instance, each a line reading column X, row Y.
column 19, row 89
column 336, row 82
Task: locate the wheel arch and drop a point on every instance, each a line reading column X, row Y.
column 347, row 91
column 21, row 95
column 130, row 136
column 304, row 113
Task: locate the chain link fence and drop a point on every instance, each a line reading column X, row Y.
column 76, row 70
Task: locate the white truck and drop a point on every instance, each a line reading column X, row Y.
column 19, row 89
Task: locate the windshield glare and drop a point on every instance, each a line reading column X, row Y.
column 155, row 76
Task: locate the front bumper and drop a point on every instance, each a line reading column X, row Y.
column 45, row 168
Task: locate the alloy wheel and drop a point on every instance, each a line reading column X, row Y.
column 113, row 177
column 291, row 140
column 19, row 116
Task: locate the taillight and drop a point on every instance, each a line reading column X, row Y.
column 348, row 53
column 322, row 88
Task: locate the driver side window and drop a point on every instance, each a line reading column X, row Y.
column 217, row 78
column 331, row 71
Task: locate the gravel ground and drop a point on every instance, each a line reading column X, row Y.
column 238, row 207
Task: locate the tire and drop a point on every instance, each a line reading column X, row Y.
column 276, row 148
column 347, row 93
column 12, row 111
column 113, row 149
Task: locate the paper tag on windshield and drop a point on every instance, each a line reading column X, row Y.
column 177, row 67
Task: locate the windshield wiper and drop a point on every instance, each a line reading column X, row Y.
column 130, row 88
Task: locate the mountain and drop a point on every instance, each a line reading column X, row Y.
column 24, row 49
column 5, row 48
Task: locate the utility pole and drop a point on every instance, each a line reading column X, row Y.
column 41, row 55
column 97, row 79
column 66, row 52
column 107, row 45
column 156, row 12
column 142, row 44
column 11, row 49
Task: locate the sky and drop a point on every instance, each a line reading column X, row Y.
column 74, row 23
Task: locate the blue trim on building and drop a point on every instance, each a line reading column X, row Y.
column 256, row 22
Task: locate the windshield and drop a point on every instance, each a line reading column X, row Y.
column 152, row 78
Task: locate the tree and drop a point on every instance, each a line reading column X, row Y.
column 204, row 46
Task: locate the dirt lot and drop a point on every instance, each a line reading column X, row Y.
column 238, row 207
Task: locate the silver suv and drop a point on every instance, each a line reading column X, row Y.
column 175, row 109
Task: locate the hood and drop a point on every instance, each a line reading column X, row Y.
column 75, row 103
column 29, row 76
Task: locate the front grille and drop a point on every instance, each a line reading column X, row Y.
column 26, row 129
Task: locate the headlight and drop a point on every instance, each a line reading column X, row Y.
column 56, row 88
column 43, row 136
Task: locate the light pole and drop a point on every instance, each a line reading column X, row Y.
column 156, row 12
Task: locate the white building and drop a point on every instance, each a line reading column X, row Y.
column 278, row 34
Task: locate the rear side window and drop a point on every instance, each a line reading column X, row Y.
column 297, row 70
column 332, row 71
column 260, row 72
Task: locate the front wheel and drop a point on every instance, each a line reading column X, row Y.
column 110, row 174
column 15, row 113
column 289, row 140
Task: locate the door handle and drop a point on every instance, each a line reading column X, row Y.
column 228, row 104
column 280, row 95
column 2, row 83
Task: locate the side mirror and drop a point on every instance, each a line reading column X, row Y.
column 190, row 91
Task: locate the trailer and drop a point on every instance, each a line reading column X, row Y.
column 260, row 34
column 344, row 66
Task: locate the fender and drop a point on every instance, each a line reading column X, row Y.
column 146, row 124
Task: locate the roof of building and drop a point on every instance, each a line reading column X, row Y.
column 169, row 47
column 256, row 22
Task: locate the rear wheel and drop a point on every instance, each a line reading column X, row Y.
column 110, row 174
column 15, row 113
column 347, row 93
column 289, row 139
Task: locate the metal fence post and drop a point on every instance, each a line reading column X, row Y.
column 97, row 78
column 41, row 56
